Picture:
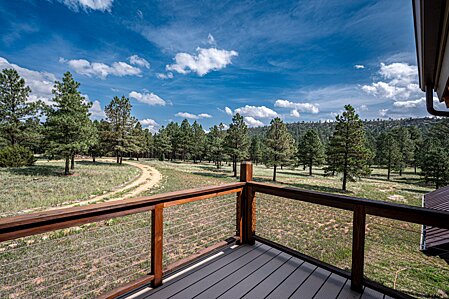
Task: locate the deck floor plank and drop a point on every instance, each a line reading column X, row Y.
column 272, row 281
column 332, row 286
column 312, row 285
column 254, row 272
column 242, row 286
column 289, row 285
column 220, row 281
column 348, row 293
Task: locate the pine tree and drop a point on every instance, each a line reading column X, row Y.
column 185, row 139
column 311, row 150
column 162, row 143
column 347, row 149
column 434, row 162
column 279, row 145
column 173, row 132
column 416, row 136
column 237, row 141
column 118, row 113
column 215, row 144
column 406, row 147
column 255, row 150
column 138, row 146
column 199, row 139
column 388, row 152
column 68, row 125
column 149, row 143
column 15, row 109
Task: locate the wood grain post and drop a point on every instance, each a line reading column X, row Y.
column 358, row 248
column 157, row 230
column 247, row 206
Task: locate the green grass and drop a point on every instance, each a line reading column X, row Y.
column 43, row 185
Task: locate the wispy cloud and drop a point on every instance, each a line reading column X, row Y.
column 256, row 111
column 139, row 61
column 252, row 122
column 359, row 66
column 76, row 5
column 150, row 124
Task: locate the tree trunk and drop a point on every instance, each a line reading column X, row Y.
column 93, row 158
column 400, row 171
column 234, row 167
column 344, row 181
column 415, row 168
column 274, row 173
column 118, row 157
column 67, row 164
column 310, row 169
column 389, row 170
column 72, row 162
column 121, row 159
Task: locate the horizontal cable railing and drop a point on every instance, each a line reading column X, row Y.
column 385, row 244
column 110, row 248
column 89, row 250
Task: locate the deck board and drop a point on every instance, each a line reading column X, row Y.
column 258, row 271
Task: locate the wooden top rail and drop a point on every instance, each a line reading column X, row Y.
column 373, row 207
column 41, row 222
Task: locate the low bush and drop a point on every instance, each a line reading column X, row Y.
column 16, row 156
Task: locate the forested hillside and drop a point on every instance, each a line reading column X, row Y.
column 372, row 127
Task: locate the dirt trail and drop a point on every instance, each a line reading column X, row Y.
column 149, row 178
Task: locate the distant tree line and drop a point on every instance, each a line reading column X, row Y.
column 347, row 146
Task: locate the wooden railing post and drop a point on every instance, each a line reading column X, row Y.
column 157, row 230
column 247, row 206
column 358, row 247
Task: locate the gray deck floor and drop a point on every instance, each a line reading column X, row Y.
column 257, row 271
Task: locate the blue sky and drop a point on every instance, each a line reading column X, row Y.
column 206, row 60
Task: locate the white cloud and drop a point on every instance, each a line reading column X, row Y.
column 147, row 98
column 193, row 116
column 303, row 107
column 400, row 82
column 102, row 5
column 207, row 60
column 169, row 75
column 41, row 83
column 150, row 124
column 96, row 112
column 256, row 111
column 383, row 112
column 228, row 111
column 363, row 108
column 359, row 66
column 204, row 115
column 139, row 61
column 101, row 70
column 252, row 122
column 295, row 113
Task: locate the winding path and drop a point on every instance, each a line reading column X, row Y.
column 148, row 179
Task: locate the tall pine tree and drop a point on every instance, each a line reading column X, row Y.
column 255, row 150
column 237, row 141
column 118, row 114
column 199, row 138
column 347, row 149
column 388, row 152
column 15, row 109
column 67, row 126
column 311, row 150
column 280, row 145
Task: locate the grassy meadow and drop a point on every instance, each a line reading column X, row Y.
column 118, row 248
column 28, row 189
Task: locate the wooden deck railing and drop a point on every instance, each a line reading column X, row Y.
column 246, row 193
